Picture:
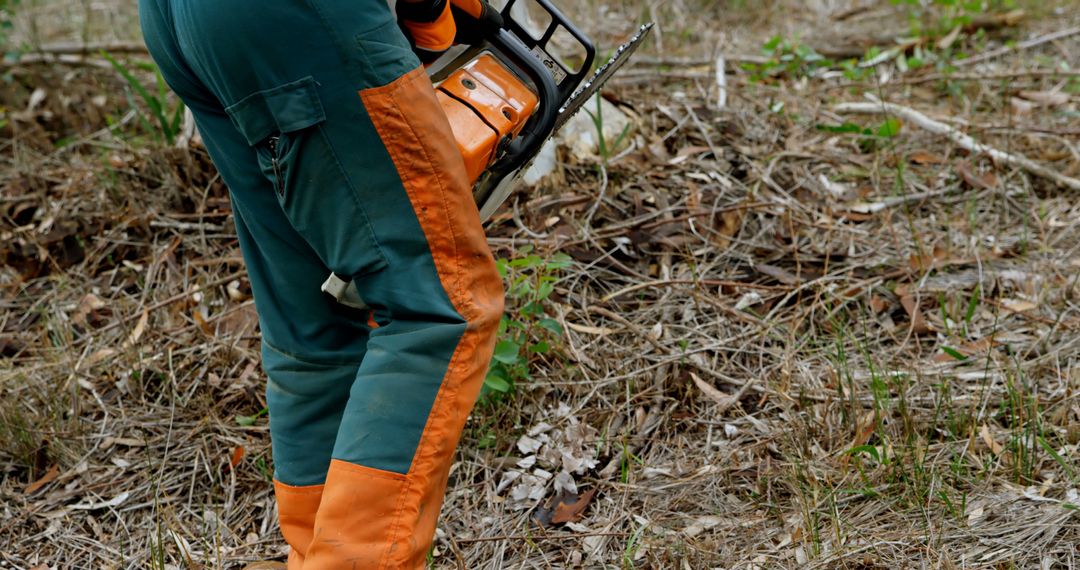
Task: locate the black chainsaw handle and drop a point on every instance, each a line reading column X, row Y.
column 558, row 20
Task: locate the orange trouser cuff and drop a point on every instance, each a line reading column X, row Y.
column 362, row 521
column 296, row 513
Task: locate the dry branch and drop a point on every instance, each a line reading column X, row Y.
column 965, row 141
column 1034, row 42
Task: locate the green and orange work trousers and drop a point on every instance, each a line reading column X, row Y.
column 338, row 159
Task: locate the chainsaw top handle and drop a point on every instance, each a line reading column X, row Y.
column 538, row 46
column 531, row 56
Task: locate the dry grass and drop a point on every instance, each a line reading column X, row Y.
column 891, row 323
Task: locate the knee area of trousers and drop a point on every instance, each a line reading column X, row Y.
column 298, row 376
column 490, row 303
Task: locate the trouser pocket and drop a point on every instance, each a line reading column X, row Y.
column 285, row 128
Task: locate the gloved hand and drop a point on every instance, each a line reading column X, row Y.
column 433, row 26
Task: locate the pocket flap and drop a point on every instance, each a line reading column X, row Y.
column 283, row 109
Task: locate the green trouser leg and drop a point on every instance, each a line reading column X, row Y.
column 339, row 159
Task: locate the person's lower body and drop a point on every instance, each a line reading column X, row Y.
column 338, row 159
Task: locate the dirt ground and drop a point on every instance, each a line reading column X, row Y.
column 817, row 310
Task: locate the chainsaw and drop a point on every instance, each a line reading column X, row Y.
column 508, row 95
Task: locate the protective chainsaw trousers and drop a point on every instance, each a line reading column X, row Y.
column 339, row 159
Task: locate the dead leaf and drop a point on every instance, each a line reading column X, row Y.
column 237, row 322
column 140, row 328
column 98, row 356
column 967, row 349
column 878, row 305
column 49, row 476
column 1020, row 106
column 918, row 322
column 947, row 41
column 237, row 457
column 200, row 320
column 712, row 393
column 585, row 329
column 727, row 225
column 924, row 262
column 863, row 431
column 572, row 510
column 925, row 157
column 986, row 181
column 984, row 433
column 1018, row 305
column 1046, row 98
column 782, row 275
column 89, row 303
column 128, row 441
column 701, row 524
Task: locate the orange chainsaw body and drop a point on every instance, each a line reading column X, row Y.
column 487, row 105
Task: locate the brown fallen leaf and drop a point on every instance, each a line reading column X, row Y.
column 878, row 305
column 986, row 181
column 918, row 322
column 45, row 479
column 98, row 356
column 782, row 275
column 586, row 329
column 863, row 431
column 89, row 303
column 572, row 511
column 727, row 225
column 200, row 320
column 140, row 328
column 925, row 157
column 967, row 349
column 1018, row 305
column 984, row 433
column 237, row 457
column 712, row 393
column 923, row 262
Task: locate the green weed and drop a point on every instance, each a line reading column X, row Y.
column 936, row 18
column 525, row 331
column 7, row 15
column 168, row 121
column 603, row 147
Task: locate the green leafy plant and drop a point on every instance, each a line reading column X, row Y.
column 525, row 331
column 869, row 138
column 168, row 122
column 7, row 16
column 787, row 58
column 250, row 420
column 936, row 18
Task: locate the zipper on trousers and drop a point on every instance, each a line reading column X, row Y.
column 279, row 184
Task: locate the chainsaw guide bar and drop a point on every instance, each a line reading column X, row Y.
column 593, row 85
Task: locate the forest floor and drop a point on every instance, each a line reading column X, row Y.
column 790, row 326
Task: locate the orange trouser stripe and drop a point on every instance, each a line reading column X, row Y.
column 377, row 519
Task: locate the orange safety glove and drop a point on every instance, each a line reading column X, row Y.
column 433, row 26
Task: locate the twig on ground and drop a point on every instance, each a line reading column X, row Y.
column 1027, row 44
column 965, row 141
